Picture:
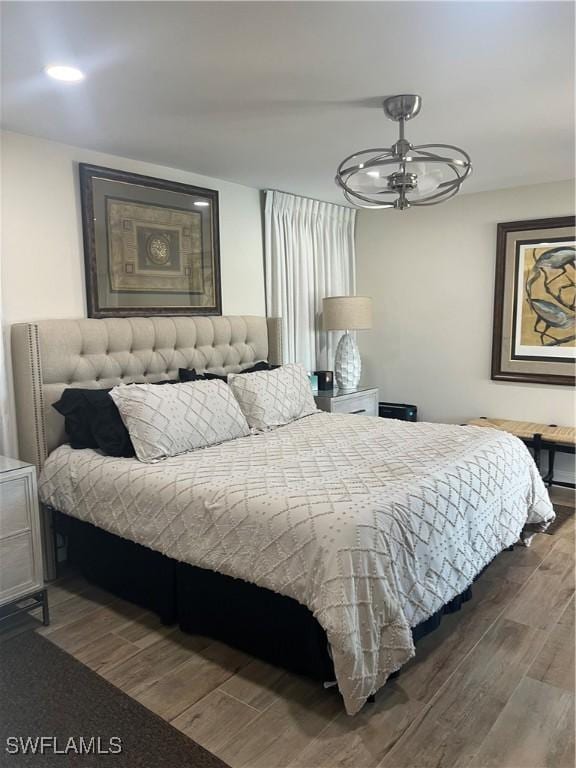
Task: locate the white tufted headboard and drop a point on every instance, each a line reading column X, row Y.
column 50, row 355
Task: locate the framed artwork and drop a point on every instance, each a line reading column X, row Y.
column 534, row 321
column 151, row 246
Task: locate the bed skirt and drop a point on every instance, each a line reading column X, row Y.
column 269, row 626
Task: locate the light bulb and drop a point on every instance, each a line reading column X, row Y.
column 64, row 73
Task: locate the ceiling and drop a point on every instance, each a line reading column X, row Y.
column 275, row 94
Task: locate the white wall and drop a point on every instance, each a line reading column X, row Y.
column 42, row 253
column 431, row 274
column 42, row 261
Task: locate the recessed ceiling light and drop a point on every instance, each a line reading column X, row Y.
column 201, row 203
column 66, row 74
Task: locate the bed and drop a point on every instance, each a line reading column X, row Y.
column 346, row 530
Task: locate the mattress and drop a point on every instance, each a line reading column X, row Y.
column 373, row 524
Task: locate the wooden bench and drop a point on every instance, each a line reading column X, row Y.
column 539, row 437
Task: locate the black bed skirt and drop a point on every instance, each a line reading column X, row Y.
column 269, row 626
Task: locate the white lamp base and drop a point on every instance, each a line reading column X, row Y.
column 347, row 364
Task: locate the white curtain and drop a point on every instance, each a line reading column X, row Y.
column 6, row 444
column 309, row 252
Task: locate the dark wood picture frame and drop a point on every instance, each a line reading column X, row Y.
column 87, row 173
column 504, row 229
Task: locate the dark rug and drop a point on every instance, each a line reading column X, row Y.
column 46, row 692
column 563, row 515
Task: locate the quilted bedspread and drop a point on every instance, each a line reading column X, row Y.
column 373, row 524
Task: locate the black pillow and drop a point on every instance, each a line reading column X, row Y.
column 92, row 420
column 261, row 366
column 77, row 417
column 189, row 374
column 108, row 429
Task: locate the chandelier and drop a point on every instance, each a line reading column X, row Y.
column 403, row 175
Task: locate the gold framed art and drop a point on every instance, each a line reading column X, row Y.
column 151, row 246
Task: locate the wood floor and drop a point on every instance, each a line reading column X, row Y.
column 493, row 687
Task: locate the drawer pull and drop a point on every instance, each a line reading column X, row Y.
column 354, row 413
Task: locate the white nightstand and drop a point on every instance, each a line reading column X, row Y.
column 21, row 572
column 363, row 400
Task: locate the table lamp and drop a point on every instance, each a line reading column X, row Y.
column 347, row 313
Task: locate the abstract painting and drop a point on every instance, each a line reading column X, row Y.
column 545, row 319
column 151, row 246
column 534, row 309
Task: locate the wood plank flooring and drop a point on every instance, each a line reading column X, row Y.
column 493, row 687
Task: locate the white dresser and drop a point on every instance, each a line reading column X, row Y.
column 362, row 401
column 21, row 571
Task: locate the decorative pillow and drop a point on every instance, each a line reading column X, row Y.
column 273, row 398
column 189, row 374
column 108, row 429
column 167, row 421
column 92, row 420
column 76, row 410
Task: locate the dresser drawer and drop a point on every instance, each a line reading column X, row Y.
column 14, row 505
column 361, row 403
column 17, row 571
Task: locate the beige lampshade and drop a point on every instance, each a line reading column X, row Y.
column 347, row 313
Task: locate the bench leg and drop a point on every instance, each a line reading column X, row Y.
column 549, row 479
column 537, row 450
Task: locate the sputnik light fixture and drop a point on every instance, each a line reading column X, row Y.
column 403, row 175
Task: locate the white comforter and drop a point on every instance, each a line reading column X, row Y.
column 373, row 524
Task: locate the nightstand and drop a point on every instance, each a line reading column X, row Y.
column 363, row 400
column 21, row 573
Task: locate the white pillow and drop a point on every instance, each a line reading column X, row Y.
column 165, row 421
column 273, row 398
